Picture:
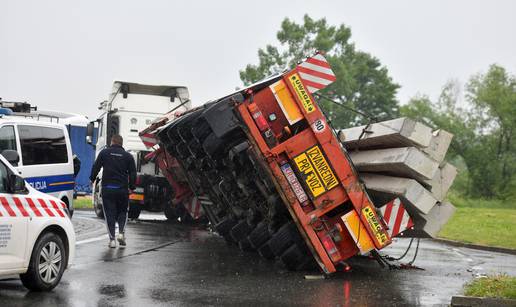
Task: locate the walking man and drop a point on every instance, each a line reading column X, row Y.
column 118, row 177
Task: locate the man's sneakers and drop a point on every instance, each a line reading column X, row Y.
column 112, row 244
column 121, row 239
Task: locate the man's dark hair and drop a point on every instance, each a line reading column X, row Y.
column 117, row 139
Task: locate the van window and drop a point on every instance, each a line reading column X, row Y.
column 7, row 138
column 42, row 145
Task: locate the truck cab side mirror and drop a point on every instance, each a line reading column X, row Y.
column 11, row 156
column 90, row 129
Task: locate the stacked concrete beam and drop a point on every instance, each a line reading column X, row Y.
column 409, row 162
column 403, row 158
column 399, row 132
column 442, row 181
column 411, row 192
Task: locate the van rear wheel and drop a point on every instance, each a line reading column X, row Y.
column 97, row 202
column 134, row 212
column 47, row 263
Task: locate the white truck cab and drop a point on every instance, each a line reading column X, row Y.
column 43, row 145
column 131, row 108
column 37, row 239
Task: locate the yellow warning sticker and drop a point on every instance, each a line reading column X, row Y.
column 286, row 102
column 375, row 225
column 302, row 93
column 322, row 167
column 312, row 180
column 316, row 171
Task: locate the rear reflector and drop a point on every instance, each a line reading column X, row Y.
column 136, row 196
column 331, row 248
column 358, row 232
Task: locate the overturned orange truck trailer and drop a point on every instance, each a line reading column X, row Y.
column 277, row 178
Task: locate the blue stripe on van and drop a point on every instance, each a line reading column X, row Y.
column 49, row 184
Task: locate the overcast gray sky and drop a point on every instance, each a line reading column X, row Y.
column 64, row 55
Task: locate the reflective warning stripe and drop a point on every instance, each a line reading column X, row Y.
column 316, row 73
column 57, row 209
column 19, row 205
column 16, row 206
column 194, row 206
column 396, row 217
column 33, row 206
column 7, row 207
column 149, row 139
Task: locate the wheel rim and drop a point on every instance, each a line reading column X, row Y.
column 50, row 261
column 96, row 203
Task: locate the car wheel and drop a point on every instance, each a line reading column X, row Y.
column 97, row 202
column 47, row 263
column 134, row 213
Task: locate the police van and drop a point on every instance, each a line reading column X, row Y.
column 43, row 145
column 37, row 239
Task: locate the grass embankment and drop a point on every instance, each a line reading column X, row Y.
column 82, row 202
column 483, row 222
column 500, row 286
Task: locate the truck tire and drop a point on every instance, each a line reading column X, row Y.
column 134, row 213
column 259, row 235
column 224, row 226
column 266, row 252
column 284, row 238
column 294, row 257
column 170, row 213
column 240, row 231
column 50, row 254
column 245, row 245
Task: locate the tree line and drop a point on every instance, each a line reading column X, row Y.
column 482, row 116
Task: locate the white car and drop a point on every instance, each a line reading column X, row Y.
column 37, row 239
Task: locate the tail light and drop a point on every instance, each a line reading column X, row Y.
column 263, row 126
column 331, row 248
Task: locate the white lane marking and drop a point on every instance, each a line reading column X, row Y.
column 102, row 237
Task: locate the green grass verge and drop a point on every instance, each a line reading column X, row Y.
column 484, row 222
column 83, row 203
column 500, row 286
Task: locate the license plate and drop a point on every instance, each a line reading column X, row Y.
column 294, row 183
column 315, row 171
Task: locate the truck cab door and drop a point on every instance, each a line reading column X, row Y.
column 14, row 221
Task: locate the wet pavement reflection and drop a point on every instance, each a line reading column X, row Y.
column 170, row 264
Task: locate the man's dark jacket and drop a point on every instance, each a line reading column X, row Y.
column 119, row 168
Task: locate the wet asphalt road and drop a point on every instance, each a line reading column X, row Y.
column 172, row 264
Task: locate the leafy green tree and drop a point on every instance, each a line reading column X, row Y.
column 362, row 82
column 484, row 131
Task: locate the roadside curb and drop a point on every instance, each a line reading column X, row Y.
column 476, row 246
column 471, row 301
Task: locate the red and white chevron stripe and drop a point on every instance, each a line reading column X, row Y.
column 194, row 206
column 396, row 217
column 149, row 139
column 316, row 73
column 14, row 206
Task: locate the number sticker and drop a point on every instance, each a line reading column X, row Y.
column 319, row 126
